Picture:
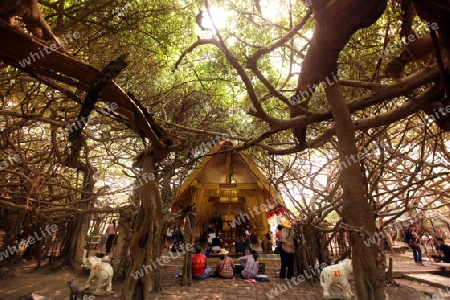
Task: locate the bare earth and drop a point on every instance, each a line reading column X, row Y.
column 43, row 282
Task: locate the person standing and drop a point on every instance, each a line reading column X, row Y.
column 272, row 241
column 442, row 249
column 216, row 243
column 278, row 246
column 427, row 241
column 247, row 238
column 266, row 245
column 278, row 238
column 412, row 238
column 240, row 246
column 111, row 233
column 199, row 263
column 211, row 235
column 287, row 251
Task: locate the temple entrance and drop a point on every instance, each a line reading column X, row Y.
column 231, row 196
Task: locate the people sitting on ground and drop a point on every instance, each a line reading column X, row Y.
column 208, row 251
column 216, row 243
column 428, row 243
column 199, row 263
column 250, row 265
column 225, row 265
column 240, row 246
column 443, row 251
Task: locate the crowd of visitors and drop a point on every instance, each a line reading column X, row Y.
column 248, row 266
column 436, row 249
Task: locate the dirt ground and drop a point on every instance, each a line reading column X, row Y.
column 53, row 284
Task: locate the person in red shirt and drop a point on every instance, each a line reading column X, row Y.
column 199, row 269
column 278, row 237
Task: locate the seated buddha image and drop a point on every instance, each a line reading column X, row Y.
column 228, row 219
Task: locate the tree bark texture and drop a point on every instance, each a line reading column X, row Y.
column 145, row 243
column 337, row 21
column 82, row 223
column 307, row 251
column 69, row 70
column 368, row 262
column 189, row 234
column 123, row 242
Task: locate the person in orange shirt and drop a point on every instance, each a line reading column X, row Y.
column 199, row 269
column 278, row 238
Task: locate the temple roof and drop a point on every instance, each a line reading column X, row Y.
column 227, row 176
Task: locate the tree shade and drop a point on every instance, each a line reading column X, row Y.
column 188, row 85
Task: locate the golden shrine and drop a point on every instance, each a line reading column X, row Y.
column 229, row 193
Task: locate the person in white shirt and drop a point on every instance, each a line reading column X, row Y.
column 247, row 238
column 428, row 243
column 211, row 235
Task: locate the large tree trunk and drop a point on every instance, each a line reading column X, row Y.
column 189, row 234
column 123, row 242
column 145, row 248
column 81, row 224
column 337, row 21
column 308, row 250
column 368, row 262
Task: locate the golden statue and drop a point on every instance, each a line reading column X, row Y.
column 228, row 220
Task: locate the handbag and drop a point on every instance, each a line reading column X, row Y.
column 287, row 248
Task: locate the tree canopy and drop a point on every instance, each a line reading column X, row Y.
column 316, row 92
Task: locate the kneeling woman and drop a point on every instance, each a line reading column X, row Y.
column 225, row 266
column 250, row 265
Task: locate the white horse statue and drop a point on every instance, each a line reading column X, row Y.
column 337, row 274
